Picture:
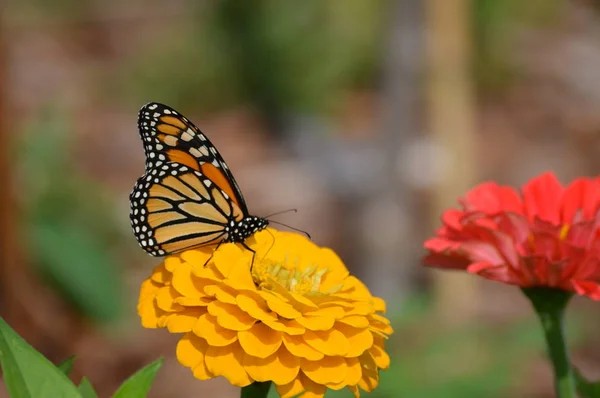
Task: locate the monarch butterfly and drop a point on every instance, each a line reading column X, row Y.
column 187, row 197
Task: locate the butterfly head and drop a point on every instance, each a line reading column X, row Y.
column 240, row 230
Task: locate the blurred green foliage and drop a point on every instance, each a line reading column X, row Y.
column 283, row 56
column 28, row 374
column 496, row 27
column 278, row 55
column 69, row 230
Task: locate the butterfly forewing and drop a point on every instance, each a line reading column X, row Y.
column 170, row 136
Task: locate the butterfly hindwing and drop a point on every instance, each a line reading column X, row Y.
column 175, row 208
column 170, row 137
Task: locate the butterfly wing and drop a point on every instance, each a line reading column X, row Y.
column 169, row 136
column 175, row 208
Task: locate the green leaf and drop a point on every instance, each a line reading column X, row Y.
column 67, row 365
column 256, row 390
column 84, row 272
column 138, row 385
column 586, row 389
column 27, row 373
column 86, row 389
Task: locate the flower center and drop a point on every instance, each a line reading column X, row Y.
column 562, row 235
column 292, row 277
column 564, row 231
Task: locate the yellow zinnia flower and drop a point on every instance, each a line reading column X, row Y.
column 296, row 317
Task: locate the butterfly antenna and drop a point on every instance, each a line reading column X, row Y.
column 292, row 228
column 281, row 212
column 272, row 244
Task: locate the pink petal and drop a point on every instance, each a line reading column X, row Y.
column 541, row 198
column 491, row 198
column 587, row 288
column 580, row 198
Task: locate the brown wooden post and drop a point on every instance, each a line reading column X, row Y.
column 451, row 117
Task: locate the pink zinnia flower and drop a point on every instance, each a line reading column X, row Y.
column 546, row 235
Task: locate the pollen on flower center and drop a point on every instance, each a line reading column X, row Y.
column 564, row 231
column 290, row 275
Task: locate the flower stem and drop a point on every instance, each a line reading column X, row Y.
column 256, row 390
column 550, row 306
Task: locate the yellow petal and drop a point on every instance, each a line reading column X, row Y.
column 162, row 321
column 201, row 372
column 380, row 323
column 160, row 274
column 194, row 302
column 286, row 326
column 221, row 292
column 172, row 262
column 329, row 342
column 298, row 301
column 290, row 390
column 355, row 391
column 190, row 350
column 316, row 322
column 361, row 308
column 289, row 366
column 354, row 372
column 165, row 299
column 331, row 312
column 381, row 358
column 370, row 374
column 227, row 362
column 278, row 305
column 334, row 300
column 357, row 288
column 190, row 353
column 360, row 339
column 184, row 321
column 280, row 367
column 227, row 257
column 336, row 270
column 149, row 289
column 186, row 284
column 260, row 369
column 299, row 348
column 208, row 328
column 240, row 276
column 356, row 321
column 379, row 304
column 197, row 258
column 260, row 340
column 255, row 306
column 327, row 370
column 230, row 316
column 208, row 272
column 147, row 308
column 312, row 389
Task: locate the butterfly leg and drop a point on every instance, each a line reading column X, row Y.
column 213, row 253
column 253, row 255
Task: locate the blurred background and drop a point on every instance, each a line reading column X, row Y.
column 368, row 116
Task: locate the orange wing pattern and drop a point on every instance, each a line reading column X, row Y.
column 170, row 134
column 187, row 196
column 175, row 208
